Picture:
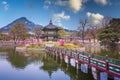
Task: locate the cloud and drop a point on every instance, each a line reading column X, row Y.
column 75, row 5
column 47, row 3
column 60, row 25
column 4, row 2
column 61, row 2
column 94, row 19
column 5, row 5
column 59, row 17
column 103, row 2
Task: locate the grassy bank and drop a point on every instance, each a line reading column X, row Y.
column 110, row 53
column 68, row 46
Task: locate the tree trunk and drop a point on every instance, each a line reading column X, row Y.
column 83, row 37
column 38, row 40
column 94, row 39
column 14, row 43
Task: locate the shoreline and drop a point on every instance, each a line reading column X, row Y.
column 19, row 49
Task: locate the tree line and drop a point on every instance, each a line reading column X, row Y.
column 107, row 32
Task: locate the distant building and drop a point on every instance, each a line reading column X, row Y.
column 51, row 32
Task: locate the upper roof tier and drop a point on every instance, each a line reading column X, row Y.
column 51, row 26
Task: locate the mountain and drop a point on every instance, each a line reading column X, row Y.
column 30, row 24
column 67, row 30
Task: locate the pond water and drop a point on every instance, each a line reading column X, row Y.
column 14, row 66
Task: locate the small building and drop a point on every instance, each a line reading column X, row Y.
column 51, row 32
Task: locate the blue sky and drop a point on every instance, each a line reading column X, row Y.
column 65, row 13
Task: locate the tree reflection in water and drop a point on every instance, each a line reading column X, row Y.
column 53, row 63
column 50, row 64
column 17, row 61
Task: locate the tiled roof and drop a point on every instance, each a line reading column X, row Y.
column 51, row 26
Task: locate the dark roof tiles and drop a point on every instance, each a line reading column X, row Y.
column 51, row 26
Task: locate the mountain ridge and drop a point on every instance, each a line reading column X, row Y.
column 29, row 23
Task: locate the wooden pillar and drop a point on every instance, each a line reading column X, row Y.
column 61, row 60
column 77, row 62
column 67, row 66
column 77, row 65
column 107, row 66
column 71, row 53
column 98, row 75
column 89, row 59
column 61, row 56
column 68, row 60
column 106, row 63
column 78, row 56
column 56, row 56
column 77, row 70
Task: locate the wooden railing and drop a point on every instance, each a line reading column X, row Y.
column 112, row 67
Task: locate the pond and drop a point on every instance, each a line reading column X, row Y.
column 14, row 66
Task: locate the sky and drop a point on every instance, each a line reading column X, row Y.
column 65, row 13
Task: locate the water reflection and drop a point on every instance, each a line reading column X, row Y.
column 70, row 70
column 49, row 65
column 17, row 61
column 37, row 67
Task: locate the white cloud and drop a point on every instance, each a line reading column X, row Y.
column 60, row 25
column 61, row 2
column 47, row 3
column 103, row 2
column 4, row 2
column 75, row 5
column 94, row 19
column 5, row 5
column 60, row 16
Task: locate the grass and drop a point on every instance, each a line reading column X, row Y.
column 68, row 45
column 110, row 53
column 36, row 46
column 30, row 53
column 56, row 44
column 34, row 53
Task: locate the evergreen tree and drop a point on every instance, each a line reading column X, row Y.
column 110, row 34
